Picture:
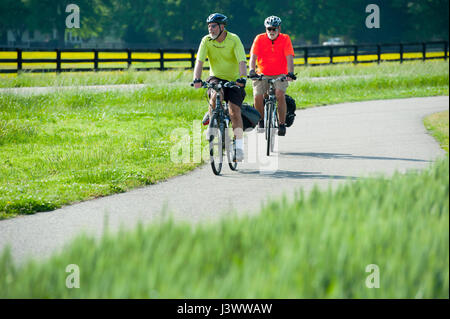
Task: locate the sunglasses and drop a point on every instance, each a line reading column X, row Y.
column 213, row 26
column 272, row 29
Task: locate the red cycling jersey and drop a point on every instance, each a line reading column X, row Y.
column 271, row 55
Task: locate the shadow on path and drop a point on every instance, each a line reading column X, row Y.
column 293, row 175
column 350, row 156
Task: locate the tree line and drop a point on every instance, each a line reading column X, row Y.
column 181, row 23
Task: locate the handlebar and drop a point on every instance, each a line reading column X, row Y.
column 261, row 77
column 218, row 86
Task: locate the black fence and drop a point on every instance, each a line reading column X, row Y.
column 307, row 55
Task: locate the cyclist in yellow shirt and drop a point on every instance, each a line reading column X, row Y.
column 227, row 62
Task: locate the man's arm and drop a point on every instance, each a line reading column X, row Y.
column 198, row 73
column 198, row 69
column 242, row 72
column 290, row 65
column 201, row 57
column 253, row 59
column 243, row 68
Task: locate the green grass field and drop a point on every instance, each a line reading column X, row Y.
column 65, row 147
column 315, row 246
column 438, row 125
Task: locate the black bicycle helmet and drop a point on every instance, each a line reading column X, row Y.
column 217, row 18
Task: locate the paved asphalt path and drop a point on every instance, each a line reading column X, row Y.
column 325, row 146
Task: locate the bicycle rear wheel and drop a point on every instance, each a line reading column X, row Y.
column 216, row 146
column 231, row 153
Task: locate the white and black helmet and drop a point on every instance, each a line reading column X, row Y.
column 272, row 21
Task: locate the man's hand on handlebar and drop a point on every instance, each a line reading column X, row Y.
column 291, row 76
column 241, row 82
column 197, row 83
column 252, row 74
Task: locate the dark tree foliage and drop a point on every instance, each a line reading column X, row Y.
column 181, row 23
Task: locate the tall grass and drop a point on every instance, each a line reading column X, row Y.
column 316, row 246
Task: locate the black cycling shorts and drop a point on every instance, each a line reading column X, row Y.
column 233, row 95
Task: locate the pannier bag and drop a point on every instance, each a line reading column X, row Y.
column 290, row 110
column 250, row 116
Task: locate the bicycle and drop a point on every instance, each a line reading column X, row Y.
column 218, row 126
column 270, row 111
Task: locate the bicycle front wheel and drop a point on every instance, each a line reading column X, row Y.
column 269, row 127
column 216, row 145
column 274, row 130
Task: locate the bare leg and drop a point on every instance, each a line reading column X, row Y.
column 259, row 104
column 236, row 119
column 281, row 99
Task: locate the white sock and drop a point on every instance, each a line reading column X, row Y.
column 240, row 143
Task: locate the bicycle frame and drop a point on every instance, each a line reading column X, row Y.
column 220, row 112
column 271, row 112
column 219, row 120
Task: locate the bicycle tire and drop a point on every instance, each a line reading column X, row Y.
column 216, row 148
column 269, row 128
column 266, row 121
column 231, row 154
column 274, row 130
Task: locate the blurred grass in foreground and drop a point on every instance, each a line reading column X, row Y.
column 316, row 246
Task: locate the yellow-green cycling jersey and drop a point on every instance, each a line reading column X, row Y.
column 224, row 57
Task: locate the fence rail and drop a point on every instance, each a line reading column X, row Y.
column 161, row 58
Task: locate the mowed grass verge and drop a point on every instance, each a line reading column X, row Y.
column 437, row 123
column 64, row 147
column 61, row 148
column 315, row 246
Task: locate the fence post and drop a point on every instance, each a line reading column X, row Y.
column 95, row 60
column 306, row 56
column 161, row 59
column 355, row 54
column 192, row 58
column 58, row 61
column 331, row 54
column 129, row 58
column 379, row 53
column 424, row 51
column 445, row 50
column 19, row 60
column 401, row 52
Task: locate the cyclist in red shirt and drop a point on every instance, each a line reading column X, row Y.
column 273, row 53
